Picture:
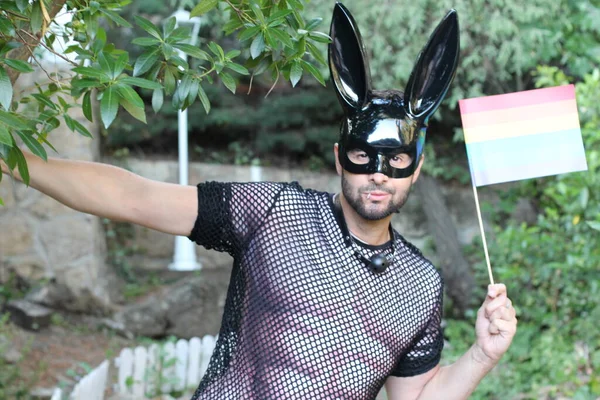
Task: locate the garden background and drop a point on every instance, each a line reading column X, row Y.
column 550, row 261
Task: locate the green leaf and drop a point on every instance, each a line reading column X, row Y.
column 5, row 136
column 319, row 37
column 313, row 71
column 594, row 225
column 18, row 65
column 203, row 7
column 238, row 68
column 248, row 33
column 145, row 41
column 317, row 55
column 217, row 50
column 192, row 51
column 90, row 72
column 232, row 54
column 116, row 18
column 280, row 14
column 232, row 25
column 184, row 86
column 22, row 5
column 282, row 36
column 130, row 95
column 148, row 26
column 6, row 89
column 17, row 154
column 204, row 99
column 109, row 106
column 140, row 82
column 76, row 126
column 145, row 62
column 137, row 112
column 45, row 100
column 87, row 106
column 228, row 81
column 36, row 17
column 6, row 27
column 169, row 81
column 12, row 121
column 295, row 73
column 313, row 23
column 107, row 65
column 257, row 46
column 169, row 26
column 257, row 11
column 157, row 99
column 33, row 145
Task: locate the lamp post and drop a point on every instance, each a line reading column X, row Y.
column 184, row 258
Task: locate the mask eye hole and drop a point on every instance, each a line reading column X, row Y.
column 400, row 160
column 358, row 156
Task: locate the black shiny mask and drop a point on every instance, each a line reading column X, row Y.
column 383, row 130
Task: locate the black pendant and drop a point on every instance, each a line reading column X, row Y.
column 379, row 263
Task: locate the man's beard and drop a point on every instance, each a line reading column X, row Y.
column 354, row 199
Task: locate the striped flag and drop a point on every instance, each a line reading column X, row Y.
column 522, row 135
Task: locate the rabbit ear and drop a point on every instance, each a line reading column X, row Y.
column 348, row 62
column 435, row 68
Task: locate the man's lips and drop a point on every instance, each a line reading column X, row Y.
column 376, row 195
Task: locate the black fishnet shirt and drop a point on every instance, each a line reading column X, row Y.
column 304, row 317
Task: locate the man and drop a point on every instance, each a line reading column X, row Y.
column 326, row 300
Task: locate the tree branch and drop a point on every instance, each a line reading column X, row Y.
column 24, row 52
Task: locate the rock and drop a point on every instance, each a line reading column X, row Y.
column 145, row 319
column 524, row 212
column 195, row 307
column 29, row 315
column 41, row 393
column 12, row 356
column 191, row 307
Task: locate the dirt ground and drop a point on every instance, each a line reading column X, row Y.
column 62, row 353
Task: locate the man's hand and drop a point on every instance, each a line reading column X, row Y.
column 496, row 324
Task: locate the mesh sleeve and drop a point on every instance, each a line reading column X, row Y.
column 228, row 213
column 425, row 354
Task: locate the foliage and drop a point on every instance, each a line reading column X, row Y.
column 297, row 125
column 277, row 35
column 13, row 383
column 553, row 275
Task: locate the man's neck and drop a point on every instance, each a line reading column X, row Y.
column 371, row 232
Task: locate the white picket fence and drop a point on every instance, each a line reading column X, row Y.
column 148, row 372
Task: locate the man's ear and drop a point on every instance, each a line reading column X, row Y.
column 415, row 175
column 338, row 166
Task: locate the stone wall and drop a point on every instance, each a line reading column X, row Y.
column 40, row 239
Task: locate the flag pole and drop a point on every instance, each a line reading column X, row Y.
column 485, row 249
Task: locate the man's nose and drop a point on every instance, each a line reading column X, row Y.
column 379, row 178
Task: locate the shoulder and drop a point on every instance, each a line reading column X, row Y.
column 430, row 275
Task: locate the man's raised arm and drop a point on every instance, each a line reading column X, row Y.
column 111, row 192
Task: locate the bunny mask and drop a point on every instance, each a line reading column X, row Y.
column 380, row 125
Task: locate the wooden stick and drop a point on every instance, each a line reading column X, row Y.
column 485, row 250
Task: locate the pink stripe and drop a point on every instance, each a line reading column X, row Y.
column 518, row 99
column 537, row 112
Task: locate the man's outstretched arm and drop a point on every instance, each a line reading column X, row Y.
column 114, row 193
column 495, row 327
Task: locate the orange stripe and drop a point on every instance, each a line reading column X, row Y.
column 521, row 128
column 537, row 111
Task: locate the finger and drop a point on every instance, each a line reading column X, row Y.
column 496, row 290
column 498, row 302
column 503, row 327
column 493, row 292
column 505, row 313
